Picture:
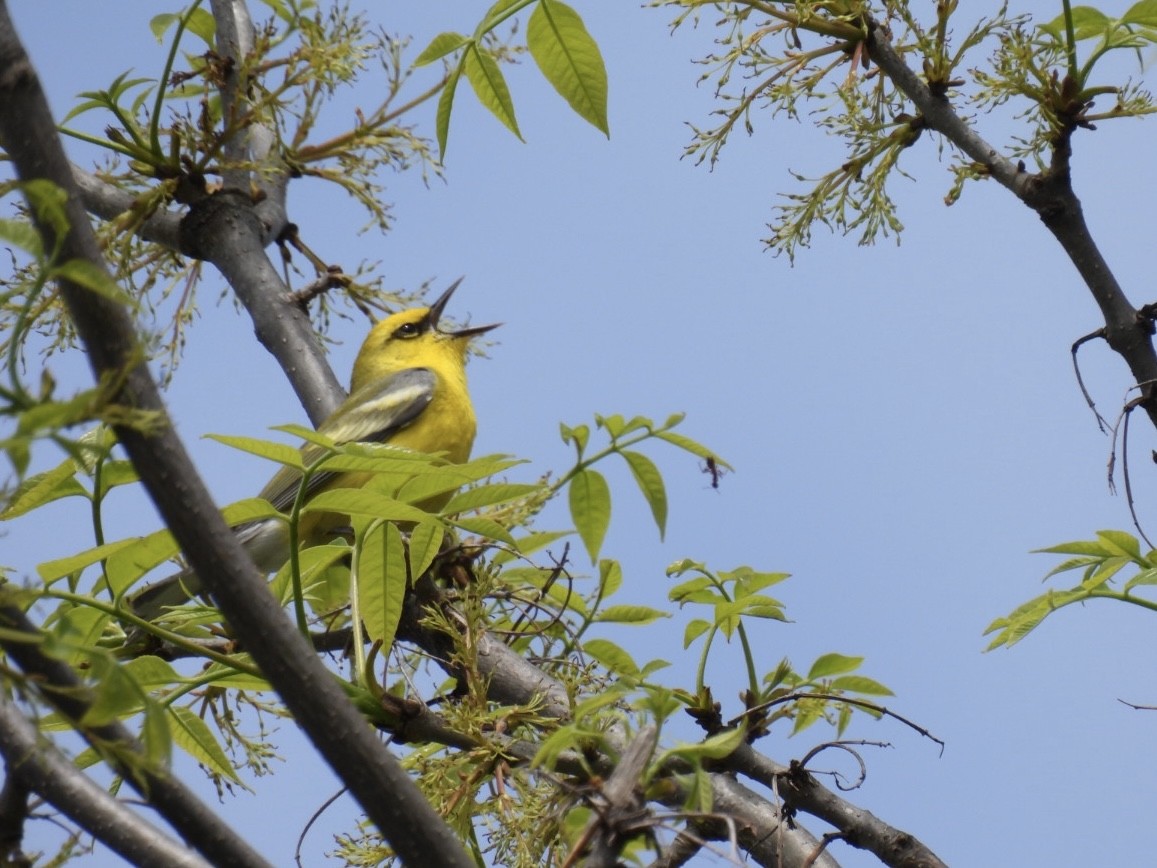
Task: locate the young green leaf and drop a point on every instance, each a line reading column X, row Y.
column 360, row 501
column 21, row 234
column 489, row 495
column 50, row 571
column 650, row 482
column 613, row 656
column 282, row 453
column 446, row 106
column 630, row 615
column 489, row 85
column 833, row 664
column 195, row 738
column 381, row 582
column 590, row 509
column 44, row 488
column 425, row 540
column 569, row 59
column 860, row 684
column 440, row 46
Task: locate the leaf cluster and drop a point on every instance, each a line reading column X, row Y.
column 1099, row 562
column 556, row 38
column 482, row 552
column 813, row 59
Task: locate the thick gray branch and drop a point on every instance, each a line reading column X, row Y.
column 224, row 229
column 251, row 143
column 37, row 764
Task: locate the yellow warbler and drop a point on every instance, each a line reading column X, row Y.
column 408, row 389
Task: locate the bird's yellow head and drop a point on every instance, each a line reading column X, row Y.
column 412, row 339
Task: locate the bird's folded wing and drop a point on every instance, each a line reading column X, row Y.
column 372, row 414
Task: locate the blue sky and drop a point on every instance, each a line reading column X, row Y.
column 903, row 420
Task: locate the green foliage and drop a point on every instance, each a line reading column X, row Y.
column 558, row 41
column 1100, row 561
column 811, row 59
column 361, row 580
column 165, row 133
column 590, row 496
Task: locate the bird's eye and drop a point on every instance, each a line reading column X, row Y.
column 407, row 330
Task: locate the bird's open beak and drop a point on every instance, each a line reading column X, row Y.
column 438, row 306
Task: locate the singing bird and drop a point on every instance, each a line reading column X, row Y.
column 408, row 389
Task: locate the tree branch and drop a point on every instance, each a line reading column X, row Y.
column 512, row 680
column 1051, row 195
column 107, row 202
column 225, row 230
column 374, row 777
column 800, row 791
column 38, row 765
column 59, row 685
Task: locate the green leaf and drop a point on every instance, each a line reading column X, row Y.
column 150, row 671
column 612, row 656
column 650, row 482
column 489, row 495
column 92, row 277
column 49, row 202
column 833, row 664
column 290, row 456
column 225, row 676
column 1121, row 543
column 128, row 564
column 115, row 694
column 160, row 24
column 114, row 473
column 489, row 85
column 694, row 629
column 569, row 59
column 1088, row 22
column 494, row 15
column 590, row 509
column 50, row 571
column 440, row 46
column 701, row 793
column 195, row 738
column 860, row 684
column 630, row 615
column 360, row 501
column 1145, row 577
column 610, row 577
column 201, row 23
column 382, row 579
column 689, row 445
column 612, row 424
column 44, row 488
column 485, row 527
column 718, row 746
column 445, row 107
column 1143, row 13
column 425, row 541
column 1109, row 568
column 312, row 564
column 580, row 435
column 249, row 509
column 22, row 234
